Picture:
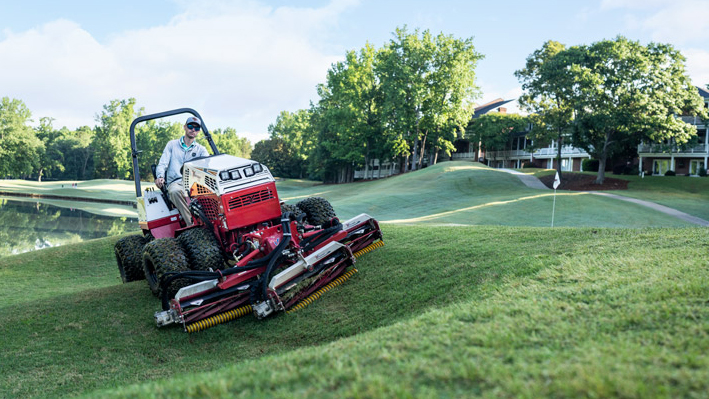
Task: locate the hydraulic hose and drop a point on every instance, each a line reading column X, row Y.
column 277, row 254
column 197, row 275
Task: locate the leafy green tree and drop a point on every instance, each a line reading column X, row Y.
column 403, row 67
column 349, row 117
column 277, row 155
column 293, row 129
column 451, row 89
column 51, row 161
column 624, row 92
column 495, row 131
column 547, row 95
column 112, row 152
column 228, row 142
column 151, row 138
column 20, row 148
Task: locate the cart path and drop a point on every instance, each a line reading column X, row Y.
column 534, row 182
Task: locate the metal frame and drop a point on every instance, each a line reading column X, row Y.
column 135, row 152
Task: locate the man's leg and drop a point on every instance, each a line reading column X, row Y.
column 179, row 199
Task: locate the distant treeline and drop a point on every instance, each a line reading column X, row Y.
column 99, row 152
column 405, row 102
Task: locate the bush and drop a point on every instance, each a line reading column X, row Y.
column 590, row 165
column 670, row 173
column 702, row 172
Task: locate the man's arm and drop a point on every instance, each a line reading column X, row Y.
column 162, row 166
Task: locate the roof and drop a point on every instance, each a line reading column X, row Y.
column 702, row 92
column 485, row 108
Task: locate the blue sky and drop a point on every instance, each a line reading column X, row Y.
column 240, row 63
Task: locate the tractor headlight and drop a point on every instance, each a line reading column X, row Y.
column 224, row 175
column 258, row 168
column 234, row 174
column 248, row 172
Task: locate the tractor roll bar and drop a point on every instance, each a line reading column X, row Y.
column 134, row 149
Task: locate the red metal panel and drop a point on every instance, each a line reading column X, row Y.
column 251, row 206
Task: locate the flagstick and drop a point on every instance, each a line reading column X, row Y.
column 553, row 208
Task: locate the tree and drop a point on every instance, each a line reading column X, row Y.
column 293, row 129
column 548, row 95
column 228, row 142
column 403, row 67
column 51, row 160
column 112, row 156
column 624, row 92
column 494, row 131
column 451, row 90
column 277, row 155
column 20, row 148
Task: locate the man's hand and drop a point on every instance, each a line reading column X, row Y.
column 159, row 182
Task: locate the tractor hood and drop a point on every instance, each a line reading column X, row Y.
column 225, row 173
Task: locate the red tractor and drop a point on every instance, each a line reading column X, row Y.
column 245, row 252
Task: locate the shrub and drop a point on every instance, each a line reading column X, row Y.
column 702, row 172
column 670, row 173
column 590, row 165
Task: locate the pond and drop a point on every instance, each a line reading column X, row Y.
column 27, row 225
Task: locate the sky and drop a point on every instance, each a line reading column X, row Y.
column 240, row 63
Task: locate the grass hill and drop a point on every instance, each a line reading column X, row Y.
column 440, row 311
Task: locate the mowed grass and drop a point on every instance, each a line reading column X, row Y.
column 440, row 311
column 684, row 193
column 447, row 193
column 473, row 194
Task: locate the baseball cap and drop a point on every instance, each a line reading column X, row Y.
column 193, row 119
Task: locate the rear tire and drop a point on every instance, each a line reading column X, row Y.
column 317, row 210
column 294, row 211
column 129, row 252
column 162, row 256
column 202, row 249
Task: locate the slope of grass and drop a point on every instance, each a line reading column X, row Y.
column 448, row 193
column 470, row 193
column 440, row 311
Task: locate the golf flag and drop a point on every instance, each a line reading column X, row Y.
column 557, row 181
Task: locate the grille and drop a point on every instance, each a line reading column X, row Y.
column 210, row 206
column 249, row 199
column 211, row 183
column 185, row 179
column 200, row 190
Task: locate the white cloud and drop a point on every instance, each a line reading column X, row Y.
column 674, row 21
column 698, row 66
column 238, row 63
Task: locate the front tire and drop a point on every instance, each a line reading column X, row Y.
column 129, row 252
column 162, row 256
column 202, row 249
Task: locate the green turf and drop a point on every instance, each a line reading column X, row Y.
column 447, row 193
column 684, row 193
column 473, row 194
column 440, row 311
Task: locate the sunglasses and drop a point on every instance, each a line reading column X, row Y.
column 193, row 127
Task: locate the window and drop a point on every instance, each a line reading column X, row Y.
column 660, row 166
column 694, row 167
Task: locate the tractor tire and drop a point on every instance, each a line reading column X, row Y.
column 129, row 252
column 317, row 210
column 162, row 256
column 202, row 249
column 294, row 211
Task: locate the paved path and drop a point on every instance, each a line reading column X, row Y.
column 528, row 180
column 533, row 182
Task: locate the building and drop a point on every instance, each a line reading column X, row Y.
column 517, row 155
column 658, row 158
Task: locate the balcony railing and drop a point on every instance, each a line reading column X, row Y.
column 666, row 149
column 566, row 151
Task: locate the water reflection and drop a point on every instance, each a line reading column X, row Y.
column 30, row 225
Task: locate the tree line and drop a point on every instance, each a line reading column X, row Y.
column 99, row 152
column 405, row 102
column 409, row 101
